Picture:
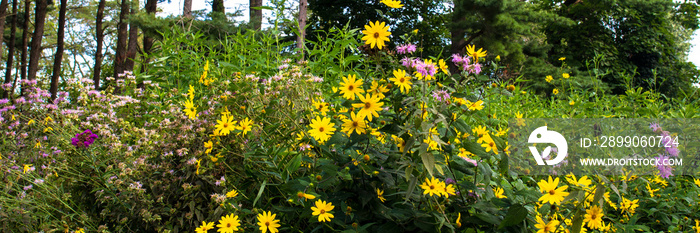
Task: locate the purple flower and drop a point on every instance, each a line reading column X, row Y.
column 441, row 95
column 450, row 181
column 673, row 150
column 84, row 139
column 405, row 49
column 662, row 164
column 654, row 127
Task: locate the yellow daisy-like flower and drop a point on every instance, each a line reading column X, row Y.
column 380, row 195
column 231, row 194
column 562, row 58
column 190, row 92
column 449, row 190
column 565, row 75
column 321, row 129
column 378, row 90
column 498, row 193
column 355, row 123
column 30, row 122
column 306, row 196
column 190, row 110
column 552, row 194
column 369, row 107
column 351, row 87
column 583, row 182
column 26, row 168
column 225, row 125
column 209, row 145
column 480, row 131
column 475, row 106
column 697, row 182
column 628, row 206
column 401, row 80
column 549, row 78
column 472, row 52
column 443, row 66
column 458, row 223
column 555, row 91
column 433, row 186
column 322, row 210
column 488, row 144
column 267, row 221
column 392, row 3
column 228, row 224
column 205, row 227
column 542, row 227
column 245, row 125
column 593, row 217
column 651, row 191
column 321, row 107
column 376, row 34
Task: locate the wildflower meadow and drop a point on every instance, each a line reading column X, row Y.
column 358, row 131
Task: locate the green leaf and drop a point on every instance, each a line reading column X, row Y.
column 428, row 160
column 294, row 164
column 262, row 188
column 516, row 214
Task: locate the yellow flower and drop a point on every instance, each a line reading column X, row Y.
column 231, row 194
column 555, row 91
column 209, row 145
column 205, row 227
column 401, row 80
column 351, row 87
column 26, row 168
column 550, row 226
column 548, row 78
column 489, row 144
column 562, row 58
column 697, row 182
column 392, row 3
column 190, row 92
column 475, row 106
column 356, row 124
column 443, row 67
column 480, row 131
column 228, row 224
column 697, row 226
column 306, row 196
column 80, row 230
column 267, row 221
column 321, row 129
column 415, row 31
column 572, row 103
column 198, row 164
column 565, row 75
column 190, row 110
column 583, row 182
column 203, row 79
column 377, row 89
column 380, row 195
column 449, row 190
column 375, row 34
column 459, row 220
column 30, row 122
column 628, row 206
column 552, row 194
column 369, row 107
column 225, row 125
column 47, row 129
column 501, row 132
column 47, row 120
column 245, row 125
column 37, row 145
column 322, row 209
column 593, row 217
column 498, row 193
column 471, row 51
column 519, row 121
column 651, row 191
column 433, row 186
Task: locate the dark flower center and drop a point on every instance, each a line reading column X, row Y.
column 351, row 87
column 323, row 211
column 552, row 192
column 354, row 124
column 368, row 105
column 321, row 129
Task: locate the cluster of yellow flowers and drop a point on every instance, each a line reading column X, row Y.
column 434, row 186
column 230, row 223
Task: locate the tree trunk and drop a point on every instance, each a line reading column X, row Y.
column 3, row 15
column 25, row 41
column 303, row 4
column 256, row 15
column 151, row 7
column 122, row 36
column 218, row 6
column 133, row 39
column 59, row 50
column 11, row 48
column 187, row 9
column 35, row 55
column 99, row 38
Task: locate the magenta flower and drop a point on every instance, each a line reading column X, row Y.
column 84, row 139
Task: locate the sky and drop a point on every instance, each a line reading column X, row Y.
column 175, row 7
